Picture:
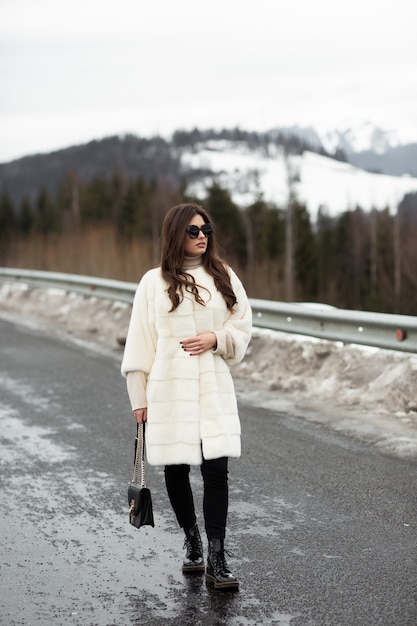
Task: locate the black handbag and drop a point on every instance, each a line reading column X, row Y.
column 139, row 496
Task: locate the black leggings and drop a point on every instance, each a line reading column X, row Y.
column 215, row 500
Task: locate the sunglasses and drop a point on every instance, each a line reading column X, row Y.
column 194, row 231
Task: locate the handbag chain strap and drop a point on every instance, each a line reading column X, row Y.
column 140, row 454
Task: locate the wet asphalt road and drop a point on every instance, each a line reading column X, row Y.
column 323, row 529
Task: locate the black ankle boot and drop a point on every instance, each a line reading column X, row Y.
column 217, row 571
column 193, row 561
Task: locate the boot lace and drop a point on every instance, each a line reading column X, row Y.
column 193, row 548
column 221, row 559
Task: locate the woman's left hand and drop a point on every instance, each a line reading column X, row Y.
column 199, row 344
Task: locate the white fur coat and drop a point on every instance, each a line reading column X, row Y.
column 192, row 407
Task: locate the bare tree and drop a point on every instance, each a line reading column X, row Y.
column 397, row 262
column 292, row 178
column 374, row 253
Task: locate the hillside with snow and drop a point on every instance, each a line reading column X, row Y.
column 352, row 136
column 249, row 164
column 364, row 144
column 318, row 181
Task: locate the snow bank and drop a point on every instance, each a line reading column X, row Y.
column 365, row 392
column 352, row 375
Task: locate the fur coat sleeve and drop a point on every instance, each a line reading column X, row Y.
column 239, row 323
column 141, row 338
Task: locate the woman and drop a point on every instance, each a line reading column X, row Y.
column 190, row 319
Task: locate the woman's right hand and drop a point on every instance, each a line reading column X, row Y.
column 141, row 415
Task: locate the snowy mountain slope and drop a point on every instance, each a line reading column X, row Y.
column 339, row 186
column 398, row 161
column 352, row 136
column 357, row 137
column 366, row 145
column 319, row 181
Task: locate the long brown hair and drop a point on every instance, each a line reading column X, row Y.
column 172, row 257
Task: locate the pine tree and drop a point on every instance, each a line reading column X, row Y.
column 127, row 219
column 341, row 266
column 134, row 217
column 305, row 253
column 7, row 226
column 25, row 218
column 117, row 190
column 68, row 201
column 325, row 254
column 229, row 223
column 95, row 200
column 47, row 219
column 7, row 216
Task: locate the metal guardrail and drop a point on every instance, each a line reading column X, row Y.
column 86, row 285
column 393, row 332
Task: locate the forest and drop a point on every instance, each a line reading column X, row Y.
column 110, row 226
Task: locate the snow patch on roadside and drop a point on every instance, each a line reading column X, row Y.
column 362, row 391
column 349, row 375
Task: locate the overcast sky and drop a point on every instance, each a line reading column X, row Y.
column 79, row 70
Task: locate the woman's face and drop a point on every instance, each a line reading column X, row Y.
column 197, row 246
